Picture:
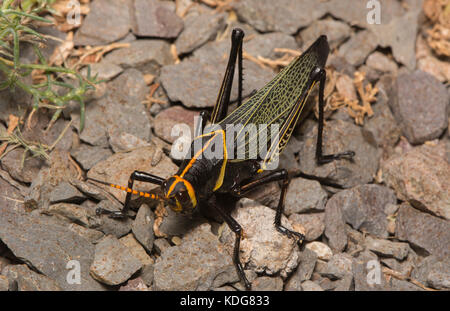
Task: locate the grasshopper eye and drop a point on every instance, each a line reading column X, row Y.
column 183, row 196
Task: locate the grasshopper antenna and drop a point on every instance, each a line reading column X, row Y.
column 132, row 191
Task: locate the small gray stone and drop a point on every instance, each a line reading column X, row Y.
column 198, row 29
column 304, row 195
column 125, row 142
column 167, row 119
column 287, row 159
column 313, row 223
column 420, row 176
column 136, row 249
column 400, row 34
column 120, row 110
column 9, row 201
column 310, row 286
column 308, row 259
column 67, row 193
column 88, row 156
column 404, row 267
column 382, row 124
column 335, row 229
column 287, row 16
column 320, row 268
column 45, row 243
column 153, row 18
column 339, row 266
column 322, row 250
column 439, row 276
column 60, row 169
column 264, row 45
column 264, row 249
column 198, row 263
column 145, row 55
column 401, row 285
column 136, row 284
column 4, row 283
column 113, row 262
column 266, row 283
column 341, row 65
column 387, row 248
column 423, row 268
column 363, row 207
column 73, row 212
column 293, row 285
column 147, row 274
column 128, row 38
column 110, row 226
column 89, row 234
column 336, row 32
column 12, row 163
column 159, row 245
column 355, row 241
column 344, row 284
column 104, row 71
column 143, row 227
column 433, row 272
column 381, row 62
column 371, row 75
column 340, row 136
column 358, row 47
column 28, row 280
column 4, row 261
column 107, row 21
column 420, row 106
column 433, row 236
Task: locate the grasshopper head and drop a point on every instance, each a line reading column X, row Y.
column 180, row 194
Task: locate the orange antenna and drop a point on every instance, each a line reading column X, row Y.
column 140, row 193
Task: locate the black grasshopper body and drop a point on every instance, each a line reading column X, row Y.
column 201, row 178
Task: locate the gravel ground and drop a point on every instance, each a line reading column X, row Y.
column 389, row 229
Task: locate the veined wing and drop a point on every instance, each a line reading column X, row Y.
column 273, row 104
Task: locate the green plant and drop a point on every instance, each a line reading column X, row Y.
column 16, row 27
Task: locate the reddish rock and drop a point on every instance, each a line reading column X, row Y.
column 423, row 230
column 421, row 176
column 153, row 18
column 167, row 119
column 420, row 106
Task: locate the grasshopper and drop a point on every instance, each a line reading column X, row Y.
column 200, row 179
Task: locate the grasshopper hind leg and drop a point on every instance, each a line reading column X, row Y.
column 223, row 99
column 319, row 74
